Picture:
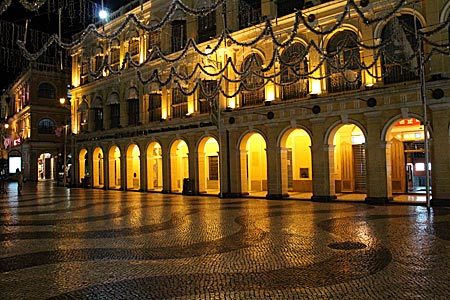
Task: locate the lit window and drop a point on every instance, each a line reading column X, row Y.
column 420, row 167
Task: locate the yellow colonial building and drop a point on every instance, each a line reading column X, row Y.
column 266, row 98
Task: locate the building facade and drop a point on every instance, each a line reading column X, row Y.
column 34, row 123
column 266, row 98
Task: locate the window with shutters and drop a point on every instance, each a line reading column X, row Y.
column 179, row 104
column 178, row 35
column 133, row 111
column 114, row 112
column 206, row 27
column 98, row 118
column 154, row 107
column 154, row 40
column 249, row 13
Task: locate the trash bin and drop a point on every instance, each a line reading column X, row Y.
column 187, row 187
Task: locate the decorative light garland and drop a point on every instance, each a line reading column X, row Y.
column 30, row 6
column 267, row 30
column 4, row 6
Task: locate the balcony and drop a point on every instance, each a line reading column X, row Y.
column 395, row 73
column 179, row 110
column 346, row 81
column 251, row 98
column 296, row 90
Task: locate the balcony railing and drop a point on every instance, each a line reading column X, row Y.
column 179, row 110
column 347, row 81
column 296, row 90
column 250, row 98
column 394, row 73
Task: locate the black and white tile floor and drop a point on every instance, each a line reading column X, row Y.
column 58, row 243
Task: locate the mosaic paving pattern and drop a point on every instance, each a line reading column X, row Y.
column 59, row 243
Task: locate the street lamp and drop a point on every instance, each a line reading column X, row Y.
column 425, row 121
column 62, row 101
column 103, row 13
column 210, row 59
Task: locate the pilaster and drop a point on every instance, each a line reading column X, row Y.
column 320, row 163
column 440, row 155
column 274, row 182
column 378, row 162
column 166, row 168
column 232, row 166
column 143, row 168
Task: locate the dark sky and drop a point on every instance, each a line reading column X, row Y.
column 48, row 22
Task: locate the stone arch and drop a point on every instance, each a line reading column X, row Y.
column 179, row 164
column 405, row 153
column 347, row 157
column 133, row 167
column 296, row 161
column 83, row 166
column 253, row 163
column 208, row 165
column 98, row 168
column 445, row 13
column 154, row 166
column 114, row 167
column 405, row 10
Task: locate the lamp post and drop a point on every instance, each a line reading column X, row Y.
column 425, row 121
column 62, row 101
column 22, row 135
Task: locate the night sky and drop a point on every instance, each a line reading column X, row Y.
column 45, row 21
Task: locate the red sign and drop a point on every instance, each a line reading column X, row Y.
column 408, row 122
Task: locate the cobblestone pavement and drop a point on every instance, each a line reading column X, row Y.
column 59, row 243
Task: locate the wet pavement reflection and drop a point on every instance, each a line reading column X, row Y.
column 59, row 243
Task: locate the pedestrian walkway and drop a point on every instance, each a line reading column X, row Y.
column 60, row 243
column 412, row 199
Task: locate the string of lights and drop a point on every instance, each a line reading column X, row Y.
column 268, row 30
column 133, row 21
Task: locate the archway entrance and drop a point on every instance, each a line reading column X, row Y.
column 45, row 167
column 98, row 171
column 253, row 160
column 407, row 157
column 154, row 167
column 296, row 163
column 208, row 166
column 179, row 165
column 348, row 162
column 133, row 167
column 83, row 168
column 114, row 168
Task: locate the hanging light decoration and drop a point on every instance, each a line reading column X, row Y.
column 266, row 31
